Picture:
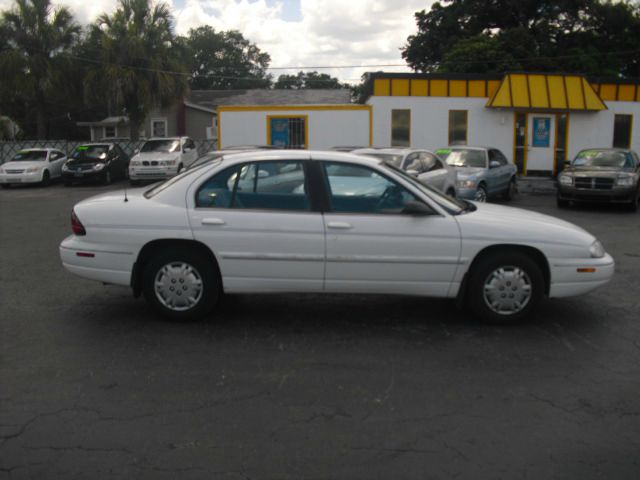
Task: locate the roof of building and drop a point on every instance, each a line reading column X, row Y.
column 214, row 98
column 107, row 122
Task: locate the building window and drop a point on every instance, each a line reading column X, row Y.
column 287, row 132
column 400, row 128
column 109, row 132
column 457, row 127
column 158, row 127
column 622, row 131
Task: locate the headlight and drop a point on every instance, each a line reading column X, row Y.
column 168, row 163
column 134, row 163
column 565, row 180
column 625, row 181
column 98, row 166
column 31, row 170
column 466, row 184
column 596, row 249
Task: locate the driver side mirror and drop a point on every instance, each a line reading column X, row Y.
column 418, row 209
column 494, row 164
column 567, row 163
column 413, row 173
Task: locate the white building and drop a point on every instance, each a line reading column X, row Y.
column 537, row 120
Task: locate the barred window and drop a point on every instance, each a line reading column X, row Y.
column 288, row 132
column 457, row 127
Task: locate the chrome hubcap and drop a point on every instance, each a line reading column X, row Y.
column 480, row 196
column 178, row 286
column 507, row 290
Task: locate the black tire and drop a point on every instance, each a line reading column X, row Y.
column 633, row 205
column 46, row 179
column 134, row 182
column 507, row 284
column 561, row 202
column 202, row 270
column 481, row 194
column 106, row 179
column 510, row 192
column 180, row 167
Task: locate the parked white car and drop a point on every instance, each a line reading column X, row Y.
column 426, row 166
column 306, row 221
column 32, row 165
column 162, row 158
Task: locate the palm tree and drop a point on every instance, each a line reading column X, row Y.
column 140, row 63
column 36, row 38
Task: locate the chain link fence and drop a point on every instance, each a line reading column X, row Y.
column 9, row 149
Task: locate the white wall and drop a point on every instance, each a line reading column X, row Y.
column 327, row 128
column 430, row 122
column 595, row 130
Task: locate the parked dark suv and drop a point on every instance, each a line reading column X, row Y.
column 96, row 161
column 601, row 175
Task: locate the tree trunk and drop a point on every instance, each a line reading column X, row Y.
column 41, row 119
column 134, row 127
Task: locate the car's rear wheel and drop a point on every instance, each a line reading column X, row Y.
column 67, row 183
column 181, row 284
column 481, row 194
column 510, row 192
column 46, row 179
column 504, row 288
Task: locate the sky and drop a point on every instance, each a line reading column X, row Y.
column 296, row 33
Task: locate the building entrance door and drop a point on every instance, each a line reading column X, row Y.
column 560, row 154
column 520, row 146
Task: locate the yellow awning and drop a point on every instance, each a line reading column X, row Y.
column 550, row 92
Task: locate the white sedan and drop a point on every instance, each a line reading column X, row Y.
column 32, row 165
column 306, row 221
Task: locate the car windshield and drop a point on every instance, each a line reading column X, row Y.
column 463, row 157
column 602, row 158
column 450, row 204
column 163, row 146
column 390, row 158
column 90, row 152
column 30, row 156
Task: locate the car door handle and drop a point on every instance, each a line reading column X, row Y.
column 339, row 225
column 212, row 221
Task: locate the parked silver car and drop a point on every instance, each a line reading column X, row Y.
column 482, row 172
column 426, row 166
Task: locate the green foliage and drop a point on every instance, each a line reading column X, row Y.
column 589, row 36
column 307, row 80
column 33, row 62
column 140, row 60
column 225, row 60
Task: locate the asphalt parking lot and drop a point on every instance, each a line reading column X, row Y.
column 94, row 385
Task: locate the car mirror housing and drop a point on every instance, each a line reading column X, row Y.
column 567, row 163
column 413, row 173
column 494, row 164
column 417, row 208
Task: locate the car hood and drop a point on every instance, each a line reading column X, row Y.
column 24, row 164
column 469, row 172
column 519, row 226
column 596, row 171
column 157, row 156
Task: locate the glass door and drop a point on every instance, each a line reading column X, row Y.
column 560, row 152
column 520, row 144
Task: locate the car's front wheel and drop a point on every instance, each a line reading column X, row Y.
column 481, row 194
column 181, row 284
column 510, row 192
column 504, row 288
column 46, row 179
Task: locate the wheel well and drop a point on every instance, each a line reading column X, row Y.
column 150, row 249
column 533, row 253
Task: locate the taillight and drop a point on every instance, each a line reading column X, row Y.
column 76, row 225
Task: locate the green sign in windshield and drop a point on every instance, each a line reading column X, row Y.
column 443, row 151
column 82, row 149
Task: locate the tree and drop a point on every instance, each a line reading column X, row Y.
column 589, row 36
column 140, row 59
column 308, row 80
column 225, row 60
column 36, row 39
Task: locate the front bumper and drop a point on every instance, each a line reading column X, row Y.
column 83, row 175
column 466, row 193
column 152, row 173
column 614, row 195
column 16, row 178
column 567, row 280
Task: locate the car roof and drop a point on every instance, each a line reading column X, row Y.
column 466, row 147
column 290, row 154
column 44, row 149
column 605, row 149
